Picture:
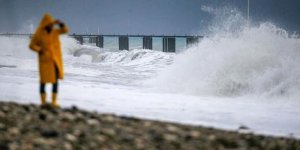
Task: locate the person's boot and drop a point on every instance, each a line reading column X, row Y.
column 54, row 101
column 43, row 99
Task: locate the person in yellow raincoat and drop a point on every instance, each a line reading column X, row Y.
column 46, row 43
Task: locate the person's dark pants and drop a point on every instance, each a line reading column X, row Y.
column 54, row 86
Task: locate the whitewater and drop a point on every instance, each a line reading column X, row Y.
column 249, row 77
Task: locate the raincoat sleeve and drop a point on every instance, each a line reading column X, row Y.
column 63, row 28
column 34, row 44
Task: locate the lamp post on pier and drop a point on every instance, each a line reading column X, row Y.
column 248, row 12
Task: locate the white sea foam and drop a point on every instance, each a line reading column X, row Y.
column 261, row 60
column 18, row 47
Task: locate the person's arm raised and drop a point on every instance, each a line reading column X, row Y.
column 62, row 27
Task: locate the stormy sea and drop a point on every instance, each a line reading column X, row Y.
column 240, row 74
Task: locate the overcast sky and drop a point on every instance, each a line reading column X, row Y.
column 140, row 16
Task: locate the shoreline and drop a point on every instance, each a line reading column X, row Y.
column 27, row 126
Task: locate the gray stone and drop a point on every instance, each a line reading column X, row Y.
column 92, row 122
column 2, row 126
column 100, row 138
column 68, row 146
column 71, row 138
column 14, row 131
column 109, row 131
column 170, row 137
column 67, row 116
column 2, row 114
column 172, row 128
column 43, row 141
column 194, row 134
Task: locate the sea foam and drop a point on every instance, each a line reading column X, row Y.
column 261, row 60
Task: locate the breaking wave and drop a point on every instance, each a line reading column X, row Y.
column 261, row 60
column 17, row 48
column 133, row 57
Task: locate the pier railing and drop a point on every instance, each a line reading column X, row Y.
column 168, row 41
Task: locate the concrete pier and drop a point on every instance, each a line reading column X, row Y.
column 123, row 43
column 147, row 42
column 169, row 44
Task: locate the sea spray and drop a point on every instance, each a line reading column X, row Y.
column 261, row 60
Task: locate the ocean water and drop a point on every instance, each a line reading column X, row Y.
column 241, row 74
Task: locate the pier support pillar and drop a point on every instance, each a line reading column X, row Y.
column 147, row 42
column 169, row 44
column 79, row 39
column 99, row 41
column 191, row 41
column 123, row 43
column 92, row 40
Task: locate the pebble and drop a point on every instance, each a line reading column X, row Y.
column 172, row 128
column 68, row 146
column 5, row 109
column 170, row 137
column 194, row 134
column 43, row 141
column 67, row 116
column 100, row 138
column 127, row 129
column 147, row 124
column 27, row 118
column 14, row 131
column 2, row 126
column 79, row 116
column 2, row 114
column 139, row 144
column 109, row 131
column 77, row 132
column 212, row 137
column 71, row 138
column 13, row 146
column 92, row 122
column 109, row 118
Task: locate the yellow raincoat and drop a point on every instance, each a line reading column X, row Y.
column 47, row 45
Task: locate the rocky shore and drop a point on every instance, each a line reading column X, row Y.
column 30, row 127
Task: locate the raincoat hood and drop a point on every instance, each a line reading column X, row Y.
column 47, row 19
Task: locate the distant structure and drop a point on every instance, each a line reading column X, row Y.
column 168, row 42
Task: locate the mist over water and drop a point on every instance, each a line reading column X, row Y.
column 237, row 59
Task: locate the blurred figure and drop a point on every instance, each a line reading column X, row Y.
column 46, row 43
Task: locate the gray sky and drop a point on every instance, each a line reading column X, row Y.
column 140, row 16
